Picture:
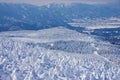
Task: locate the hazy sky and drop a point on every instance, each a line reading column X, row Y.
column 41, row 2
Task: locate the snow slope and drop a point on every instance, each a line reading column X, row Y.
column 25, row 56
column 47, row 35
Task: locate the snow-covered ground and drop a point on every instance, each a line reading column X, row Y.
column 57, row 54
column 47, row 35
column 96, row 23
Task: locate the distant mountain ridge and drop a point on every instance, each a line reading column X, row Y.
column 31, row 17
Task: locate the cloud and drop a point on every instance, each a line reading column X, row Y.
column 42, row 2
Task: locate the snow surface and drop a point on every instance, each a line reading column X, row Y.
column 96, row 23
column 47, row 35
column 22, row 56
